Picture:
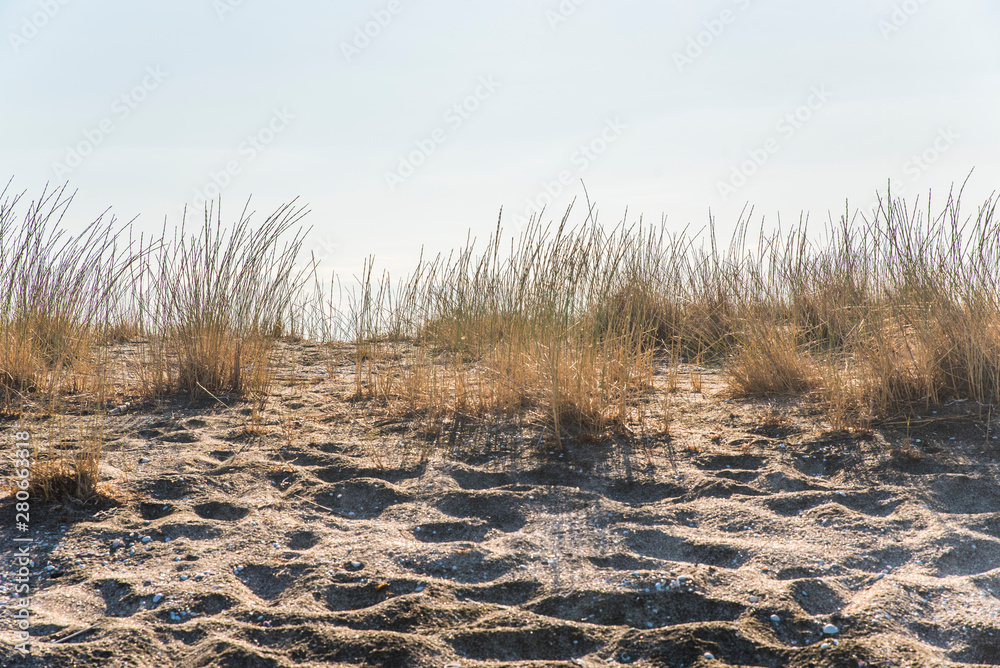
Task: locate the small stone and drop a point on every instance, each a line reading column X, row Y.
column 143, row 460
column 830, row 629
column 116, row 543
column 776, row 619
column 183, row 578
column 709, row 656
column 146, row 539
column 753, row 599
column 157, row 598
column 356, row 564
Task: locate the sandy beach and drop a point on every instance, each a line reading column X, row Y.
column 750, row 534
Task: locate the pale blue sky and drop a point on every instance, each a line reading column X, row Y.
column 887, row 79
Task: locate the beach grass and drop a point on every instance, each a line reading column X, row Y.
column 563, row 326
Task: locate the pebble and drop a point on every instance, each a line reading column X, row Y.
column 830, row 629
column 143, row 460
column 356, row 564
column 157, row 598
column 776, row 619
column 709, row 656
column 753, row 599
column 146, row 539
column 116, row 543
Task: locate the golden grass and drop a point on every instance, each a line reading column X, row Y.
column 214, row 302
column 206, row 308
column 881, row 316
column 561, row 328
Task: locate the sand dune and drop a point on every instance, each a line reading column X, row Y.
column 326, row 540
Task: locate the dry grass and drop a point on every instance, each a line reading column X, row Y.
column 59, row 296
column 884, row 316
column 561, row 328
column 207, row 308
column 214, row 302
column 509, row 334
column 880, row 316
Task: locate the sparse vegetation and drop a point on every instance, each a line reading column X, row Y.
column 208, row 307
column 564, row 327
column 885, row 314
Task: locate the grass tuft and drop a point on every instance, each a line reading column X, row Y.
column 213, row 304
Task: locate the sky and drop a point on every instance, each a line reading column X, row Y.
column 409, row 124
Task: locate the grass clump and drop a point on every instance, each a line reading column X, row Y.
column 884, row 316
column 526, row 333
column 57, row 295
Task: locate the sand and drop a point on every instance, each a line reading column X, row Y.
column 335, row 534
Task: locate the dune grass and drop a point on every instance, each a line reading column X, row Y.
column 214, row 302
column 883, row 316
column 205, row 310
column 878, row 316
column 58, row 294
column 562, row 327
